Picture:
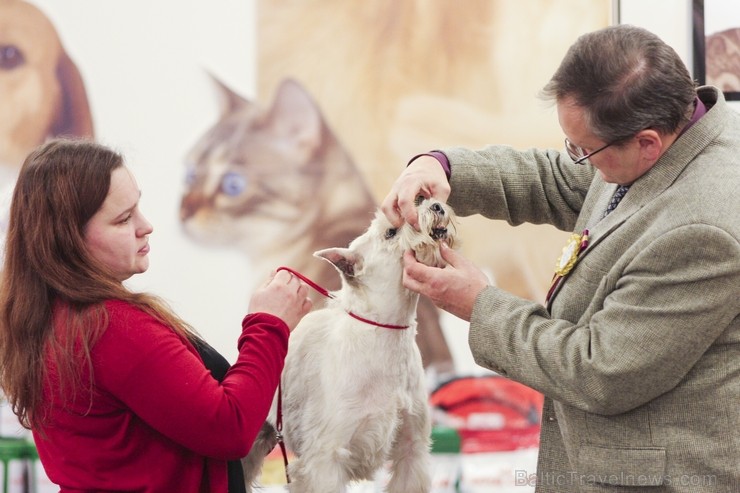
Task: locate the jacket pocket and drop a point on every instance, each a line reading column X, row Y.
column 644, row 466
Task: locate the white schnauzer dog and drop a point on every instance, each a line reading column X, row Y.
column 353, row 388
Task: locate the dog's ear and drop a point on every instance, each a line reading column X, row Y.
column 75, row 119
column 343, row 259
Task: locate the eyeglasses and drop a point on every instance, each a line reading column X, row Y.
column 577, row 154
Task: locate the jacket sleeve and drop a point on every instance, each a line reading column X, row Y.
column 534, row 186
column 160, row 377
column 649, row 323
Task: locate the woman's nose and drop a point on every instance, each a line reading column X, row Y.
column 145, row 227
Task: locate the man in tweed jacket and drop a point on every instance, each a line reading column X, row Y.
column 637, row 349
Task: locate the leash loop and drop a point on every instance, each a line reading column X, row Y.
column 308, row 281
column 326, row 293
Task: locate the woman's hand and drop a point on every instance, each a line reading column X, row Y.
column 284, row 296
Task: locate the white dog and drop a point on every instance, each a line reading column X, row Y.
column 353, row 389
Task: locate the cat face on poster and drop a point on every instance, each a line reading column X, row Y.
column 274, row 182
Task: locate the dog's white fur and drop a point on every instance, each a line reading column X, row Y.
column 354, row 394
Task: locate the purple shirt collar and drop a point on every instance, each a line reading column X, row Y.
column 699, row 111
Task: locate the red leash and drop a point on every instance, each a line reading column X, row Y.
column 279, row 417
column 329, row 295
column 279, row 428
column 307, row 281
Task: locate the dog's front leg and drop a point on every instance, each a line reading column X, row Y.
column 318, row 475
column 410, row 456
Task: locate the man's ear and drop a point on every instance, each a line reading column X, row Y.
column 651, row 145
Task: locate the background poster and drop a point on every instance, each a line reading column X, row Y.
column 355, row 88
column 389, row 79
column 717, row 45
column 394, row 79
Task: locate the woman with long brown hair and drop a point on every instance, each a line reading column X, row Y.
column 110, row 381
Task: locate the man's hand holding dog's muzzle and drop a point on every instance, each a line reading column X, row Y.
column 423, row 177
column 452, row 288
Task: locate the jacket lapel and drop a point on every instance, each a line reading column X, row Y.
column 650, row 186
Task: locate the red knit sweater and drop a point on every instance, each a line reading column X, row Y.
column 158, row 421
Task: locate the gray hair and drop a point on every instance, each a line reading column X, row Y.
column 626, row 79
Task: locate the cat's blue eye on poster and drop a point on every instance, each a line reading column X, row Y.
column 233, row 184
column 190, row 177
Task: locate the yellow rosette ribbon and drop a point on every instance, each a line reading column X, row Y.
column 576, row 244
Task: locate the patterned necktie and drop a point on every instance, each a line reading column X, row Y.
column 618, row 194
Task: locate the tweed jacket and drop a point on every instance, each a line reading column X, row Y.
column 638, row 350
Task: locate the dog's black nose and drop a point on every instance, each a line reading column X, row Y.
column 438, row 209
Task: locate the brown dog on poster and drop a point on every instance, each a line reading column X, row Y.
column 41, row 91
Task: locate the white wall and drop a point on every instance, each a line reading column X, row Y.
column 671, row 20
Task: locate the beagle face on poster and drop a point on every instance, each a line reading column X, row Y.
column 41, row 92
